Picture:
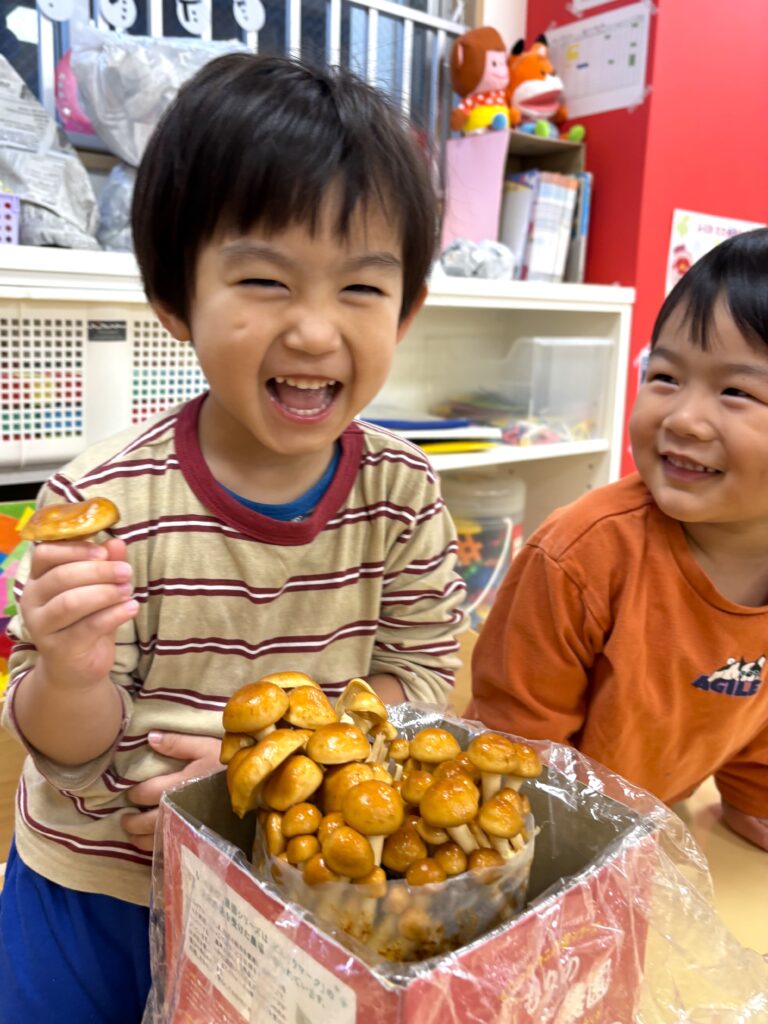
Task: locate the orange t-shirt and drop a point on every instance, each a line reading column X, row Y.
column 608, row 635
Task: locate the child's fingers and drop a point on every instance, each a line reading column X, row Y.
column 47, row 556
column 72, row 576
column 79, row 607
column 140, row 828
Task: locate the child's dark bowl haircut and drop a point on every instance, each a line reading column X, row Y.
column 736, row 272
column 260, row 140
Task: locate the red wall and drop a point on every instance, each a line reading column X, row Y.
column 700, row 142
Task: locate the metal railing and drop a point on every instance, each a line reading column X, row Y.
column 400, row 48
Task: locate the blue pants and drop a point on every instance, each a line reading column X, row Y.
column 69, row 957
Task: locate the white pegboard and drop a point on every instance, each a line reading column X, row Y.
column 74, row 372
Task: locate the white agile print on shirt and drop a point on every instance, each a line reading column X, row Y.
column 737, row 678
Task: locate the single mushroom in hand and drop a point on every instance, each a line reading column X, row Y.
column 75, row 520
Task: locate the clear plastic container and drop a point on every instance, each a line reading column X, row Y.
column 488, row 507
column 560, row 381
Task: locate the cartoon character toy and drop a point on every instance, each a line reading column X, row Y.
column 479, row 75
column 535, row 93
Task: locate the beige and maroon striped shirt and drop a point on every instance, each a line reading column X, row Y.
column 364, row 585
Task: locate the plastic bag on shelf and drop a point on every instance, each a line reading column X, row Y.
column 115, row 209
column 41, row 167
column 126, row 81
column 619, row 923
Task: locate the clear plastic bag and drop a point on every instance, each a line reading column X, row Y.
column 619, row 925
column 41, row 167
column 115, row 209
column 126, row 81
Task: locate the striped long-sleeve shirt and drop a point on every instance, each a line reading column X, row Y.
column 364, row 585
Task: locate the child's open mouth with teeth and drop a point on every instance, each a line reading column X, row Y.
column 303, row 396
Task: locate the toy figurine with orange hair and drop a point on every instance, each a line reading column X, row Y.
column 479, row 75
column 535, row 91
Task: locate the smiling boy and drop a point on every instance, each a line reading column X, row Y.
column 634, row 623
column 284, row 223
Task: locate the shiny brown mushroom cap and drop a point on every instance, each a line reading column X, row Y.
column 300, row 848
column 452, row 768
column 231, row 742
column 425, row 872
column 337, row 744
column 309, row 708
column 300, row 820
column 432, row 745
column 249, row 767
column 373, row 808
column 451, row 858
column 340, row 778
column 449, row 803
column 329, row 823
column 484, row 858
column 528, row 763
column 414, row 785
column 500, row 817
column 401, row 849
column 492, row 752
column 315, row 871
column 273, row 832
column 288, row 680
column 372, row 885
column 70, row 520
column 292, row 782
column 353, row 687
column 348, row 853
column 254, row 707
column 400, row 750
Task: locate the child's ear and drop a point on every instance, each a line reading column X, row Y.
column 406, row 322
column 172, row 323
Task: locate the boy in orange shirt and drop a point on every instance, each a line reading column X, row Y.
column 634, row 623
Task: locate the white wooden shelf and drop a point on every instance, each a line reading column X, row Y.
column 461, row 319
column 508, row 454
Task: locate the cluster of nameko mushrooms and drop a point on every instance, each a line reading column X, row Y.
column 341, row 796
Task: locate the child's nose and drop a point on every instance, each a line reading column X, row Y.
column 313, row 331
column 689, row 417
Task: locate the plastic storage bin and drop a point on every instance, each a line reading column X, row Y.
column 561, row 379
column 487, row 507
column 73, row 372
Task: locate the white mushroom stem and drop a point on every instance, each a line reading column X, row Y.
column 518, row 841
column 491, row 784
column 377, row 845
column 377, row 749
column 397, row 772
column 461, row 834
column 265, row 731
column 502, row 846
column 480, row 837
column 514, row 782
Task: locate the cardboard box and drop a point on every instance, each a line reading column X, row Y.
column 233, row 950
